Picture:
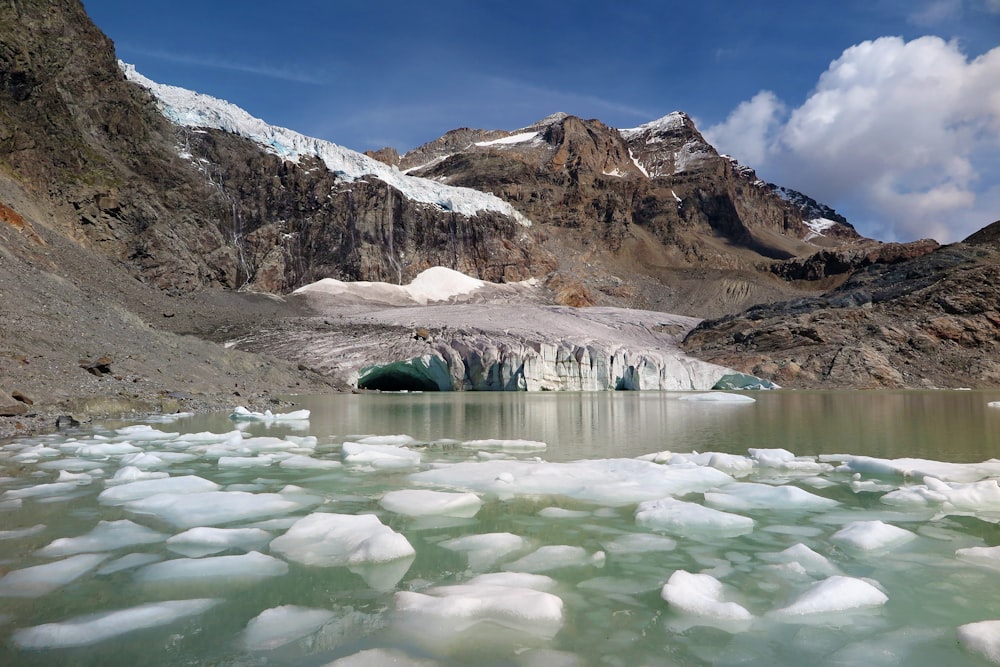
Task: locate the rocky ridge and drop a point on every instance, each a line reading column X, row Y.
column 929, row 321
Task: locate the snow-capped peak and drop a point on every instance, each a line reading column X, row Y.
column 191, row 109
column 672, row 121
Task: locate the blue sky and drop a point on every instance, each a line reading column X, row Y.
column 888, row 110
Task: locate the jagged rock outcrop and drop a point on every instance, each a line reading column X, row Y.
column 844, row 261
column 932, row 321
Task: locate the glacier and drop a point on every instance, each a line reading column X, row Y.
column 448, row 332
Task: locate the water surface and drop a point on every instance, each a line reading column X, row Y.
column 589, row 528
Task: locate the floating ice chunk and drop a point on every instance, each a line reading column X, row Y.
column 744, row 496
column 282, row 625
column 35, row 581
column 495, row 443
column 22, row 532
column 872, row 535
column 702, row 595
column 635, row 543
column 554, row 557
column 330, row 540
column 950, row 496
column 474, row 612
column 918, row 468
column 985, row 556
column 611, row 482
column 299, row 462
column 245, row 461
column 378, row 657
column 107, row 450
column 422, row 502
column 811, row 562
column 94, row 628
column 718, row 397
column 124, row 493
column 80, row 478
column 202, row 541
column 691, row 519
column 144, row 461
column 240, row 413
column 379, row 456
column 212, row 508
column 128, row 562
column 130, row 474
column 41, row 490
column 982, row 638
column 215, row 570
column 391, row 440
column 377, row 553
column 140, row 432
column 993, row 404
column 73, row 463
column 563, row 513
column 486, row 549
column 833, row 594
column 107, row 536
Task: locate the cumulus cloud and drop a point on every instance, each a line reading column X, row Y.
column 904, row 133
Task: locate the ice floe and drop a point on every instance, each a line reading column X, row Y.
column 94, row 628
column 39, row 580
column 833, row 594
column 872, row 536
column 328, row 540
column 211, row 508
column 282, row 625
column 423, row 502
column 982, row 638
column 204, row 540
column 241, row 413
column 486, row 549
column 691, row 519
column 107, row 536
column 239, row 570
column 702, row 595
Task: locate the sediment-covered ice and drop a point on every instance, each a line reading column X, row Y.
column 833, row 594
column 329, row 540
column 282, row 625
column 38, row 580
column 691, row 519
column 205, row 540
column 216, row 570
column 107, row 536
column 872, row 536
column 423, row 502
column 213, row 508
column 702, row 595
column 94, row 628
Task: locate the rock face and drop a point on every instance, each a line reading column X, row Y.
column 933, row 321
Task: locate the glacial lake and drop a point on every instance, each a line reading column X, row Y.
column 621, row 529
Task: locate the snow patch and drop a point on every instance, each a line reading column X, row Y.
column 191, row 109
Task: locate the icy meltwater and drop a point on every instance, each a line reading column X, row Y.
column 510, row 529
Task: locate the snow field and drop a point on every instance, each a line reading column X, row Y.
column 745, row 545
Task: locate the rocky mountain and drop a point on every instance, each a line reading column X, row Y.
column 133, row 215
column 929, row 321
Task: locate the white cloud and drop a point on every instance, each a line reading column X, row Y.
column 747, row 130
column 904, row 131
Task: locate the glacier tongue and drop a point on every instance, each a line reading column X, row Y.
column 497, row 347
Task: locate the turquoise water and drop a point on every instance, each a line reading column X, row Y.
column 589, row 529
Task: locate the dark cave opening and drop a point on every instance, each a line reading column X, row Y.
column 393, row 379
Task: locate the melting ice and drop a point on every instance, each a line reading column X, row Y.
column 362, row 549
